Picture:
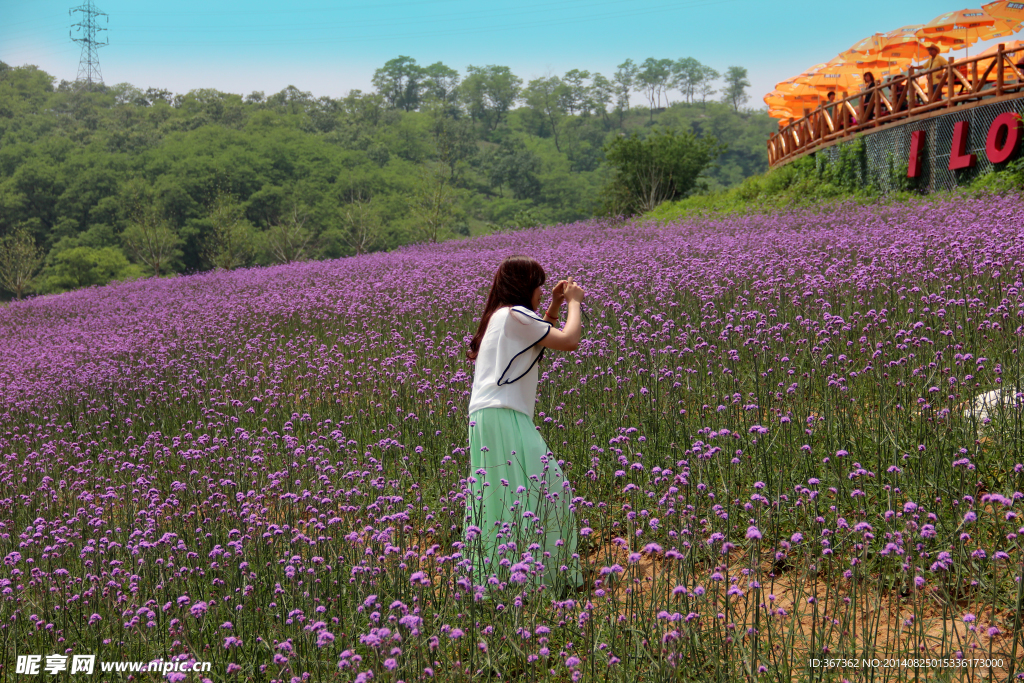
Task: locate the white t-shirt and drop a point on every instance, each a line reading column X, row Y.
column 506, row 370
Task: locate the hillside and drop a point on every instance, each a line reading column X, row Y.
column 217, row 179
column 765, row 428
column 806, row 183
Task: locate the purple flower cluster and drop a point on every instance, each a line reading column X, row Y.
column 767, row 428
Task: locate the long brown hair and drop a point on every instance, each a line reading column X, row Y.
column 518, row 277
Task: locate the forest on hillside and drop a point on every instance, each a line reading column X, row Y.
column 113, row 182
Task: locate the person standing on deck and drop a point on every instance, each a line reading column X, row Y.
column 934, row 62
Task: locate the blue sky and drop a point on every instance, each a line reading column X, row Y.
column 329, row 48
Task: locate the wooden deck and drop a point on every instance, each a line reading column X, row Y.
column 905, row 98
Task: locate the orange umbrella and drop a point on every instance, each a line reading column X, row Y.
column 868, row 46
column 1008, row 11
column 814, row 69
column 1012, row 46
column 843, row 65
column 964, row 28
column 798, row 92
column 790, row 108
column 777, row 102
column 835, row 75
column 887, row 50
column 908, row 52
column 868, row 62
column 902, row 45
column 901, row 35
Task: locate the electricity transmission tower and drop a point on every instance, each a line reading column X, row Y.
column 89, row 64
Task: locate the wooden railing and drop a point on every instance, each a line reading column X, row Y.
column 900, row 98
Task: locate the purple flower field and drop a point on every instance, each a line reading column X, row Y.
column 767, row 426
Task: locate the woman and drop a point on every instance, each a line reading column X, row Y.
column 867, row 101
column 899, row 87
column 520, row 526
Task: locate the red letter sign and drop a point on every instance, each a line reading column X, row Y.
column 916, row 147
column 997, row 154
column 958, row 157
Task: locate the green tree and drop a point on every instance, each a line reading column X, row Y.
column 625, row 82
column 361, row 229
column 291, row 100
column 490, row 92
column 66, row 154
column 515, row 166
column 86, row 266
column 736, row 84
column 158, row 95
column 574, row 96
column 705, row 84
column 746, row 133
column 545, row 96
column 454, row 140
column 398, row 81
column 23, row 90
column 433, row 204
column 231, row 242
column 686, row 75
column 600, row 94
column 663, row 167
column 440, row 83
column 20, row 258
column 207, row 105
column 126, row 93
column 655, row 76
column 152, row 240
column 288, row 239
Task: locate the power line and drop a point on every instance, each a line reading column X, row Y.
column 89, row 64
column 323, row 24
column 503, row 26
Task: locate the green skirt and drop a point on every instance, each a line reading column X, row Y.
column 520, row 527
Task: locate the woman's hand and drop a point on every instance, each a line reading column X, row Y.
column 572, row 291
column 558, row 293
column 567, row 338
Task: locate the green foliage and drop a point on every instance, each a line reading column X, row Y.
column 662, row 167
column 399, row 82
column 435, row 206
column 897, row 172
column 20, row 258
column 694, row 80
column 87, row 266
column 811, row 180
column 153, row 242
column 490, row 92
column 514, row 166
column 526, row 218
column 746, row 133
column 1008, row 177
column 736, row 84
column 287, row 239
column 229, row 241
column 358, row 228
column 655, row 79
column 850, row 171
column 625, row 82
column 149, row 237
column 76, row 164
